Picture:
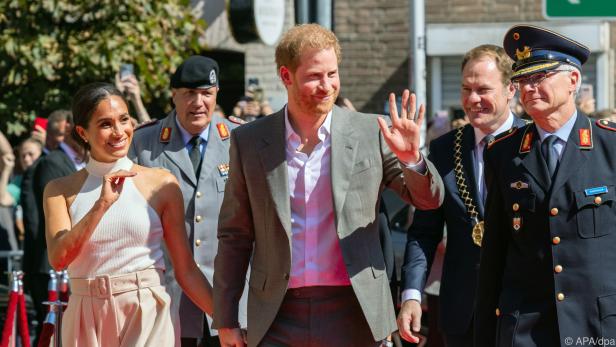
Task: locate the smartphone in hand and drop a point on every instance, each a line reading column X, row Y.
column 126, row 70
column 41, row 122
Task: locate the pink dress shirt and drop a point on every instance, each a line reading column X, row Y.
column 316, row 258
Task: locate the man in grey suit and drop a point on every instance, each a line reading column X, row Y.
column 193, row 144
column 302, row 202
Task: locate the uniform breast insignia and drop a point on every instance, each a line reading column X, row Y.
column 605, row 124
column 223, row 130
column 503, row 136
column 519, row 185
column 595, row 191
column 223, row 169
column 165, row 134
column 516, row 223
column 527, row 141
column 236, row 120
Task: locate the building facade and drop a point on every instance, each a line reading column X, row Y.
column 374, row 35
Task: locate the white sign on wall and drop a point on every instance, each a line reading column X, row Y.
column 253, row 20
column 269, row 19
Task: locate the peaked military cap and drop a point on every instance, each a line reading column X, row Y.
column 196, row 72
column 535, row 49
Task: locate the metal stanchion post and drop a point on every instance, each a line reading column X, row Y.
column 58, row 299
column 14, row 288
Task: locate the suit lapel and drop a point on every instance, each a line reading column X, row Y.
column 534, row 163
column 176, row 151
column 68, row 162
column 573, row 157
column 469, row 165
column 343, row 153
column 274, row 161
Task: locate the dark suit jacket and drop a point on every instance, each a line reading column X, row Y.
column 459, row 278
column 30, row 217
column 548, row 261
column 255, row 218
column 54, row 165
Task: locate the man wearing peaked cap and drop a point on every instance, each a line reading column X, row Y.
column 535, row 49
column 547, row 268
column 193, row 144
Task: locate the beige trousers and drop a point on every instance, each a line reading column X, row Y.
column 117, row 311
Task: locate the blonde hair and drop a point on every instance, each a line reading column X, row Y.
column 301, row 38
column 498, row 54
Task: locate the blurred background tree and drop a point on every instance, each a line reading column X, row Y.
column 49, row 48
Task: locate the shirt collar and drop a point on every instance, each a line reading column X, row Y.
column 562, row 133
column 71, row 153
column 186, row 136
column 291, row 135
column 479, row 135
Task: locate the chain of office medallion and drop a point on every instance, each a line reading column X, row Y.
column 460, row 180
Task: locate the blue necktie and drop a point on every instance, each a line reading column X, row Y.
column 549, row 154
column 195, row 153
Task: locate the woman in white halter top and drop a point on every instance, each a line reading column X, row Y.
column 106, row 224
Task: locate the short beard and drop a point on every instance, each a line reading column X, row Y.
column 319, row 108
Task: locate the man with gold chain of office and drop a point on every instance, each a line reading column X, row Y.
column 547, row 261
column 485, row 93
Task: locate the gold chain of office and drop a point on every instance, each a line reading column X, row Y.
column 465, row 194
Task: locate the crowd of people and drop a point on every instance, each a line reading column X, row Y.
column 266, row 228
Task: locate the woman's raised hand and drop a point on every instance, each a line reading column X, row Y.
column 112, row 186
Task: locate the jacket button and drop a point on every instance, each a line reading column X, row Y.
column 560, row 296
column 197, row 242
column 556, row 240
column 198, row 194
column 198, row 219
column 286, row 276
column 515, row 207
column 497, row 312
column 598, row 200
column 554, row 211
column 558, row 269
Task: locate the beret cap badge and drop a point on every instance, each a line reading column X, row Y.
column 212, row 77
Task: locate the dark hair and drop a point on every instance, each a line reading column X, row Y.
column 85, row 102
column 60, row 115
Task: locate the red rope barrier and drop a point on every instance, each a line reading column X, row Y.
column 23, row 321
column 52, row 295
column 7, row 330
column 46, row 334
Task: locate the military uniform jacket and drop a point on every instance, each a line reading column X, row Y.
column 160, row 145
column 461, row 264
column 548, row 262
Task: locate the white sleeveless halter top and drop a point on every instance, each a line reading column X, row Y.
column 128, row 237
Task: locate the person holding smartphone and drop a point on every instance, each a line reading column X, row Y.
column 126, row 81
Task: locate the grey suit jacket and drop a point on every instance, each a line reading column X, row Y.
column 202, row 199
column 255, row 218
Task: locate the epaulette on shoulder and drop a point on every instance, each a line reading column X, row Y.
column 500, row 137
column 146, row 124
column 606, row 124
column 236, row 120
